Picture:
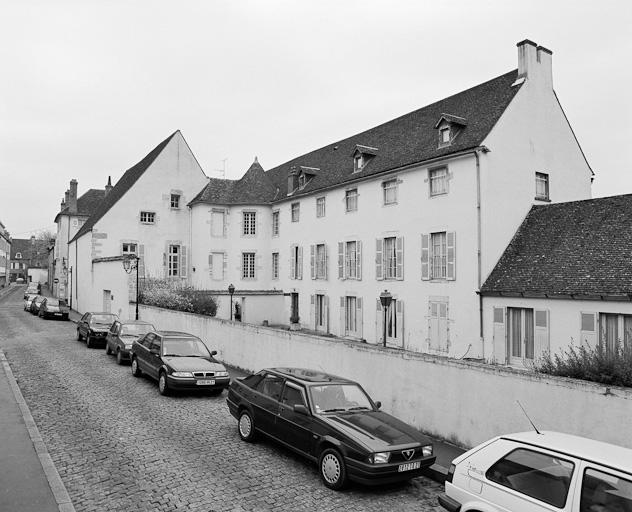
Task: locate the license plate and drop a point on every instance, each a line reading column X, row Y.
column 409, row 466
column 57, row 314
column 205, row 382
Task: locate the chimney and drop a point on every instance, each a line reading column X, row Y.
column 292, row 180
column 109, row 186
column 64, row 201
column 72, row 196
column 535, row 63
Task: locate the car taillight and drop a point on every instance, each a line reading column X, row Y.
column 450, row 475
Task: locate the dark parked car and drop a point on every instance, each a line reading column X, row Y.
column 27, row 301
column 122, row 335
column 93, row 327
column 331, row 421
column 178, row 361
column 32, row 289
column 36, row 303
column 55, row 308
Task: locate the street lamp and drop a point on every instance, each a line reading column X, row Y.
column 130, row 262
column 231, row 290
column 385, row 298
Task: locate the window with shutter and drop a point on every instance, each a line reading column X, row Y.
column 500, row 336
column 379, row 244
column 184, row 263
column 425, row 258
column 341, row 260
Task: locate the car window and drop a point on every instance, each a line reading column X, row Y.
column 292, row 396
column 135, row 329
column 85, row 317
column 539, row 475
column 271, row 386
column 52, row 302
column 605, row 492
column 339, row 397
column 102, row 319
column 155, row 344
column 253, row 380
column 146, row 341
column 114, row 328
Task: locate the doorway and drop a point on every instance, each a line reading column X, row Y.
column 107, row 301
column 520, row 337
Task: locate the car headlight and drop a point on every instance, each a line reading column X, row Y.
column 221, row 374
column 182, row 374
column 379, row 457
column 128, row 347
column 426, row 451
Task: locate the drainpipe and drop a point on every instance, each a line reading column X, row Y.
column 479, row 270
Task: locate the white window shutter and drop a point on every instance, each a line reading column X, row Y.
column 312, row 262
column 312, row 311
column 541, row 332
column 257, row 265
column 500, row 336
column 210, row 264
column 225, row 265
column 451, row 255
column 326, row 314
column 379, row 244
column 399, row 255
column 183, row 261
column 379, row 322
column 293, row 252
column 588, row 329
column 359, row 319
column 341, row 260
column 141, row 261
column 326, row 261
column 300, row 262
column 425, row 257
column 358, row 259
column 342, row 317
column 399, row 318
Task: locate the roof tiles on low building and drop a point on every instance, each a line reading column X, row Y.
column 579, row 249
column 406, row 140
column 86, row 204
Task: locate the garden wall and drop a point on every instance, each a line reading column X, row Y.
column 463, row 402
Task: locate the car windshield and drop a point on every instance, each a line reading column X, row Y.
column 52, row 302
column 339, row 398
column 102, row 319
column 188, row 347
column 39, row 299
column 135, row 329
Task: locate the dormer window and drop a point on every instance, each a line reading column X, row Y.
column 362, row 155
column 301, row 181
column 18, row 255
column 449, row 127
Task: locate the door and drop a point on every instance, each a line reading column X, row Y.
column 294, row 316
column 107, row 299
column 154, row 361
column 110, row 338
column 83, row 324
column 142, row 352
column 292, row 427
column 520, row 335
column 266, row 402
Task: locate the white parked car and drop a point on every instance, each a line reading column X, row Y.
column 545, row 471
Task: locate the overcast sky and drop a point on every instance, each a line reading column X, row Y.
column 88, row 88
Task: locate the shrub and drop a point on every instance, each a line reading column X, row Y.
column 169, row 294
column 595, row 364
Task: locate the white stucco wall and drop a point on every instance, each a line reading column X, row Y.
column 463, row 402
column 564, row 318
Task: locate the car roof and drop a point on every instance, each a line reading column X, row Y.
column 606, row 454
column 101, row 313
column 136, row 322
column 308, row 376
column 175, row 334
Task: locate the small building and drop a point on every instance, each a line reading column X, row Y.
column 29, row 257
column 5, row 255
column 564, row 280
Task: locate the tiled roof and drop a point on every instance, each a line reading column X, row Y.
column 409, row 139
column 580, row 248
column 123, row 185
column 86, row 204
column 22, row 246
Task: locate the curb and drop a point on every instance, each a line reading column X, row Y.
column 62, row 498
column 437, row 473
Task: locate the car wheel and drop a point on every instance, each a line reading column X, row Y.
column 89, row 342
column 119, row 357
column 332, row 469
column 163, row 387
column 108, row 350
column 246, row 427
column 135, row 368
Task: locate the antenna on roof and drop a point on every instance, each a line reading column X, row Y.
column 525, row 413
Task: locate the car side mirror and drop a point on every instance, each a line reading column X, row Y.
column 213, row 352
column 300, row 409
column 378, row 404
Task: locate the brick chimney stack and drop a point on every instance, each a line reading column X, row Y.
column 109, row 186
column 72, row 196
column 535, row 63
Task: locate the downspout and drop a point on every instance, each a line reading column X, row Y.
column 479, row 264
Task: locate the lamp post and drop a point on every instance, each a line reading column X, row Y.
column 130, row 262
column 386, row 299
column 231, row 290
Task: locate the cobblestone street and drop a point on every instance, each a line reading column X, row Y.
column 119, row 445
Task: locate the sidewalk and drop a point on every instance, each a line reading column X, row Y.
column 28, row 478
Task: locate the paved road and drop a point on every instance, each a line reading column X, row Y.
column 119, row 445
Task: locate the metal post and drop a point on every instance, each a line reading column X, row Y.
column 231, row 290
column 137, row 258
column 384, row 308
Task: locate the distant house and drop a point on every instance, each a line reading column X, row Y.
column 29, row 257
column 422, row 206
column 5, row 255
column 144, row 215
column 73, row 213
column 565, row 279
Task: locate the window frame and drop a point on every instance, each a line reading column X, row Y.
column 123, row 251
column 542, row 178
column 248, row 268
column 275, row 266
column 358, row 162
column 276, row 214
column 249, row 223
column 150, row 217
column 393, row 259
column 321, row 206
column 443, row 179
column 173, row 260
column 295, row 211
column 351, row 199
column 442, row 256
column 320, row 261
column 390, row 185
column 174, row 201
